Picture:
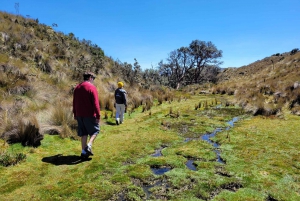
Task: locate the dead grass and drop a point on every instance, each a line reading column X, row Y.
column 261, row 82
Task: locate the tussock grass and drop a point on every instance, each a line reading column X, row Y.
column 23, row 130
column 7, row 159
column 62, row 113
column 261, row 82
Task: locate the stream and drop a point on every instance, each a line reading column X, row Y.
column 190, row 163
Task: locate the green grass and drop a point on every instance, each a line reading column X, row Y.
column 264, row 153
column 262, row 159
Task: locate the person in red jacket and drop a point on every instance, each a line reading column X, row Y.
column 86, row 111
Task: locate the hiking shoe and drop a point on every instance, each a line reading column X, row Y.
column 121, row 122
column 84, row 156
column 117, row 122
column 89, row 150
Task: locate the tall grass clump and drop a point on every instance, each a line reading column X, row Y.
column 147, row 106
column 160, row 99
column 30, row 132
column 136, row 102
column 8, row 159
column 25, row 131
column 68, row 132
column 107, row 102
column 62, row 114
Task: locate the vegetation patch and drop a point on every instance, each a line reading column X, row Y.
column 261, row 151
column 8, row 159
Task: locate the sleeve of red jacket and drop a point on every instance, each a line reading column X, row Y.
column 96, row 103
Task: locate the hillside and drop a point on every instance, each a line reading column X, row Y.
column 39, row 68
column 265, row 86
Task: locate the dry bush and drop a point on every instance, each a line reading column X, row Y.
column 160, row 99
column 7, row 159
column 62, row 114
column 136, row 102
column 6, row 119
column 230, row 91
column 218, row 90
column 107, row 102
column 270, row 109
column 59, row 78
column 105, row 115
column 144, row 109
column 148, row 104
column 68, row 132
column 26, row 131
column 295, row 98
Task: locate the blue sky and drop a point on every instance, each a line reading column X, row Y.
column 148, row 30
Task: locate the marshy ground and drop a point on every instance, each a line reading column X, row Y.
column 163, row 154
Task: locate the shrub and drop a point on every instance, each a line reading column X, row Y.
column 136, row 102
column 160, row 99
column 107, row 102
column 26, row 132
column 11, row 159
column 68, row 132
column 62, row 114
column 294, row 51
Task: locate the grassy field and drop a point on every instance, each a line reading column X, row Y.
column 261, row 158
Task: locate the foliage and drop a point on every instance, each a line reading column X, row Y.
column 26, row 131
column 7, row 159
column 186, row 65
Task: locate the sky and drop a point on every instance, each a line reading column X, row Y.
column 148, row 30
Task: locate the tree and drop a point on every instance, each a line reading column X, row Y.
column 204, row 54
column 151, row 77
column 186, row 64
column 179, row 64
column 137, row 72
column 127, row 72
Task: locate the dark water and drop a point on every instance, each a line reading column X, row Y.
column 147, row 188
column 206, row 137
column 160, row 171
column 190, row 165
column 157, row 152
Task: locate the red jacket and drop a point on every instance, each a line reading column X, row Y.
column 86, row 101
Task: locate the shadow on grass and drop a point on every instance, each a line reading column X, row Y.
column 111, row 123
column 59, row 159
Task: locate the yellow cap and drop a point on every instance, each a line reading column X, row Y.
column 120, row 84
